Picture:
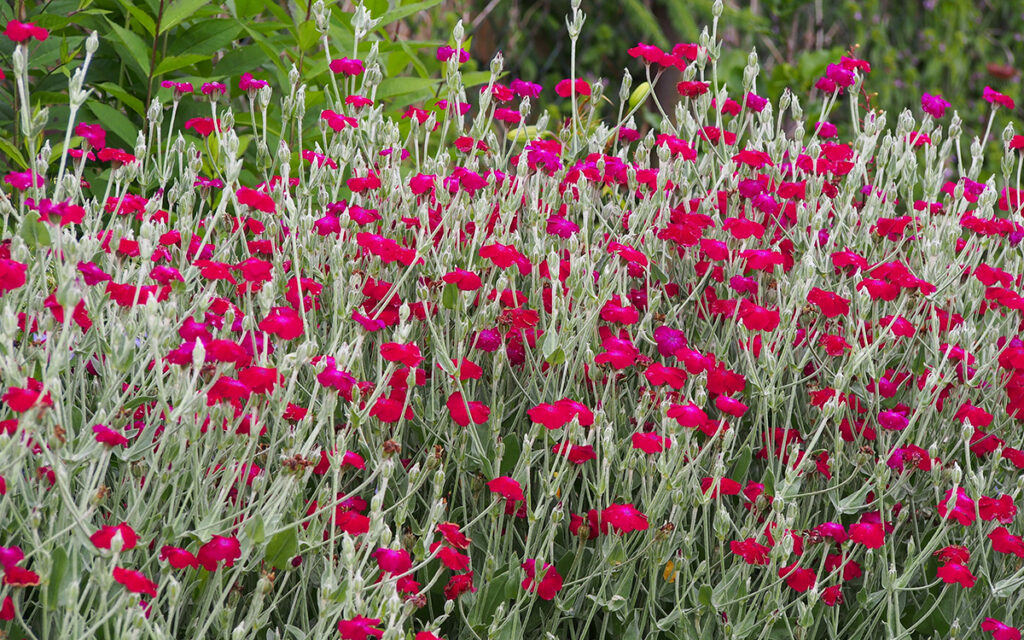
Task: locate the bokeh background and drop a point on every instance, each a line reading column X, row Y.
column 949, row 47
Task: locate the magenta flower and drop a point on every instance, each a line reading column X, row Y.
column 934, row 106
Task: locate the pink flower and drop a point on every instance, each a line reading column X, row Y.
column 347, row 66
column 559, row 414
column 359, row 628
column 445, row 53
column 650, row 442
column 934, row 106
column 251, row 84
column 93, row 134
column 999, row 630
column 22, row 31
column 998, row 99
column 393, row 561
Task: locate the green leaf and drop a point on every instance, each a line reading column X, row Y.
column 179, row 11
column 34, row 232
column 58, row 577
column 138, row 55
column 855, row 501
column 128, row 99
column 140, row 16
column 406, row 11
column 206, row 36
column 704, row 595
column 282, row 548
column 307, row 35
column 393, row 87
column 172, row 63
column 449, row 296
column 556, row 358
column 632, row 631
column 255, row 530
column 742, row 464
column 13, row 153
column 550, row 343
column 116, row 122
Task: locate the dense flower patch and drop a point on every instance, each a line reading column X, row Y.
column 451, row 375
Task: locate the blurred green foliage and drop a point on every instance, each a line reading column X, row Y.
column 145, row 42
column 949, row 47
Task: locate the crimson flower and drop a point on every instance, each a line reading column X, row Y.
column 1005, row 542
column 103, row 538
column 359, row 628
column 459, row 584
column 450, row 557
column 217, row 550
column 1001, row 508
column 560, row 413
column 963, row 509
column 565, row 88
column 650, row 442
column 106, row 435
column 407, row 354
column 750, row 550
column 284, row 322
column 16, row 576
column 869, row 534
column 692, row 88
column 445, row 53
column 832, row 595
column 959, row 555
column 463, row 412
column 453, row 536
column 507, row 487
column 203, row 126
column 178, row 558
column 955, row 573
column 548, row 586
column 576, row 453
column 623, row 518
column 7, row 609
column 135, row 581
column 800, row 579
column 256, row 200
